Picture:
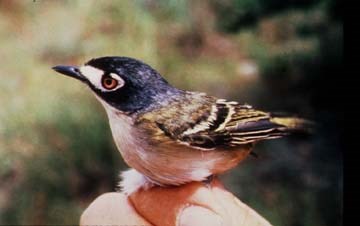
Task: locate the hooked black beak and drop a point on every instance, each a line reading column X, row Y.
column 70, row 71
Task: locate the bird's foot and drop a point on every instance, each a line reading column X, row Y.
column 207, row 182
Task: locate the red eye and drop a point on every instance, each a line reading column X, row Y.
column 109, row 83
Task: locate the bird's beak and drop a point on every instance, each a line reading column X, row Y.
column 70, row 71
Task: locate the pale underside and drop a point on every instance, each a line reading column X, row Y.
column 190, row 141
column 169, row 162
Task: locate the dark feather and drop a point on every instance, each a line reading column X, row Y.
column 207, row 123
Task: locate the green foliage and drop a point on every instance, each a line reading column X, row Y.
column 56, row 149
column 237, row 14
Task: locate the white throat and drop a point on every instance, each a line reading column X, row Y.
column 124, row 135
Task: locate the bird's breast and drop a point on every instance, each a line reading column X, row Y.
column 168, row 162
column 127, row 139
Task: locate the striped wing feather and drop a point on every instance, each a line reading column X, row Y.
column 205, row 122
column 234, row 125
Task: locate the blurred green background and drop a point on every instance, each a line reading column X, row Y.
column 56, row 150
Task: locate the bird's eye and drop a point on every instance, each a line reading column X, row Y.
column 109, row 82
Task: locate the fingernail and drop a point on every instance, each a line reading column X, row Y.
column 196, row 215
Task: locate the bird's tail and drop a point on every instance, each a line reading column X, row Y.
column 252, row 125
column 293, row 124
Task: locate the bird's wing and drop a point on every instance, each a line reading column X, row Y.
column 232, row 125
column 207, row 123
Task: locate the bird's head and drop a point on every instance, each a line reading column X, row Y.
column 126, row 84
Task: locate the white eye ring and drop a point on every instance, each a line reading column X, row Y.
column 95, row 77
column 111, row 82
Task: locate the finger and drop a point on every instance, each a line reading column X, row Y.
column 160, row 206
column 111, row 209
column 167, row 206
column 197, row 215
column 237, row 211
column 194, row 204
column 226, row 205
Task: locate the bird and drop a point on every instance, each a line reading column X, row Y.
column 169, row 136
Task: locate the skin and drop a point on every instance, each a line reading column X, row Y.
column 192, row 204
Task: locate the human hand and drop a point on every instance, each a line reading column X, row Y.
column 190, row 204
